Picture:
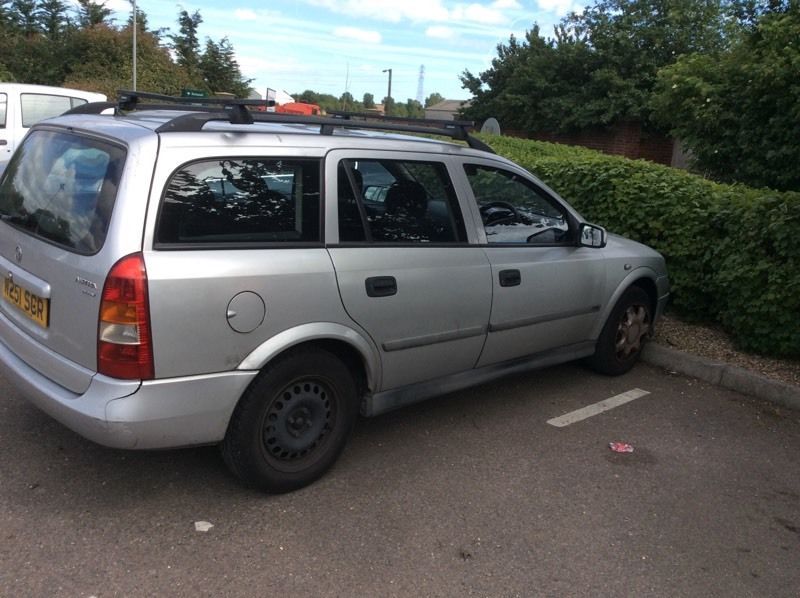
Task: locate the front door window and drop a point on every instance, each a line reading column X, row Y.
column 513, row 210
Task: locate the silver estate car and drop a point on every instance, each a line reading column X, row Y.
column 180, row 275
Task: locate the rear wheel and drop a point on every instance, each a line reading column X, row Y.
column 293, row 421
column 624, row 334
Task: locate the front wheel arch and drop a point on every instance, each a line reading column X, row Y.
column 627, row 328
column 643, row 277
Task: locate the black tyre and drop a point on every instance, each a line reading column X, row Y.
column 624, row 334
column 292, row 422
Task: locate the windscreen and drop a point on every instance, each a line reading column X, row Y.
column 61, row 187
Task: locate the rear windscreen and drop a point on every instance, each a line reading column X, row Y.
column 61, row 187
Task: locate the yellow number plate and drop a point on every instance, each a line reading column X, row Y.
column 33, row 306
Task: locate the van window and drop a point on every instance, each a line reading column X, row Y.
column 242, row 200
column 61, row 187
column 39, row 106
column 3, row 105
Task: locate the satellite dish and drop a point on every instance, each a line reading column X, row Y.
column 491, row 126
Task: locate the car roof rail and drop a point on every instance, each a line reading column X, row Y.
column 236, row 111
column 456, row 129
column 91, row 108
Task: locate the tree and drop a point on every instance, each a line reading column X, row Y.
column 542, row 85
column 5, row 75
column 325, row 101
column 142, row 24
column 24, row 14
column 739, row 111
column 369, row 100
column 433, row 99
column 39, row 44
column 390, row 107
column 6, row 16
column 25, row 52
column 186, row 43
column 414, row 109
column 101, row 61
column 91, row 14
column 52, row 19
column 600, row 66
column 220, row 70
column 347, row 101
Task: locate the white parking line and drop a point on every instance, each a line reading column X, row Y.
column 589, row 411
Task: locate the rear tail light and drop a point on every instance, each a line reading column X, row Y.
column 124, row 342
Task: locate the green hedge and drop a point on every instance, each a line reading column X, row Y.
column 733, row 252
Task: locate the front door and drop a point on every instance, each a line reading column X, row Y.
column 547, row 292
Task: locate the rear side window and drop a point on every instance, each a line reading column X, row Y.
column 3, row 106
column 38, row 106
column 61, row 187
column 246, row 200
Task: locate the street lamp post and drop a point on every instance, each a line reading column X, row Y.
column 134, row 44
column 389, row 93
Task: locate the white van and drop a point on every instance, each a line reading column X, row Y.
column 23, row 105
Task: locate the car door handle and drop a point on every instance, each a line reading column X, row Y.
column 381, row 286
column 3, row 142
column 510, row 278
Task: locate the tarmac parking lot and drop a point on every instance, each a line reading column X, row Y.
column 472, row 494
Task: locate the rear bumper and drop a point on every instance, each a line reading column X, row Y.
column 135, row 415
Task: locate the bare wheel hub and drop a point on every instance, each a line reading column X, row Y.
column 633, row 327
column 297, row 420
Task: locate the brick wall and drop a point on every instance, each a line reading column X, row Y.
column 624, row 139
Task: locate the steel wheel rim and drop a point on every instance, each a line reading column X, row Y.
column 634, row 326
column 298, row 421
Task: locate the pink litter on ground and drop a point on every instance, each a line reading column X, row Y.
column 620, row 447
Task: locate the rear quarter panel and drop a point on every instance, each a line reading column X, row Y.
column 190, row 290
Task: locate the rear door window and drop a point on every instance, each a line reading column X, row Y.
column 3, row 107
column 242, row 200
column 398, row 201
column 61, row 187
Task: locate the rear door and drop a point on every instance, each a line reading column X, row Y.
column 407, row 270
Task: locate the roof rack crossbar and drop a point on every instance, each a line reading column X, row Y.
column 129, row 100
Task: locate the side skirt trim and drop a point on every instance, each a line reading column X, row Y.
column 407, row 395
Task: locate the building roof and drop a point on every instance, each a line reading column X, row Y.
column 449, row 105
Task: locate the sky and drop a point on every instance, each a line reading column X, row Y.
column 333, row 46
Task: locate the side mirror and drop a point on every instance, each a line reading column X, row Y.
column 592, row 235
